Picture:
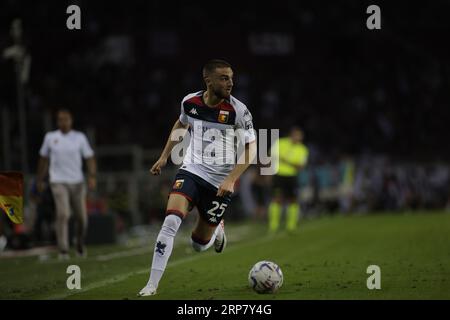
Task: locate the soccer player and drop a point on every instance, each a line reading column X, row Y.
column 214, row 118
column 63, row 149
column 292, row 157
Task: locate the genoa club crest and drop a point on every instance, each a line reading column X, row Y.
column 178, row 184
column 223, row 116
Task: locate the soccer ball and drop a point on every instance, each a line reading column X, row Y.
column 265, row 277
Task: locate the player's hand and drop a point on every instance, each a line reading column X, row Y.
column 92, row 183
column 156, row 169
column 40, row 186
column 226, row 188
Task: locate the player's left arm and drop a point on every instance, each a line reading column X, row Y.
column 246, row 158
column 91, row 164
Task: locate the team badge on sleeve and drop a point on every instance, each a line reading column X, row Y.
column 223, row 116
column 178, row 184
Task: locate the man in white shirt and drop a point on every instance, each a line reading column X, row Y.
column 62, row 152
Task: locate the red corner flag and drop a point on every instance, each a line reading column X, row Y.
column 11, row 195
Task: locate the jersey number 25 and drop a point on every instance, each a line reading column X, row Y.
column 217, row 205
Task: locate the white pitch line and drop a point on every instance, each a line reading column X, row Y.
column 123, row 277
column 119, row 278
column 121, row 254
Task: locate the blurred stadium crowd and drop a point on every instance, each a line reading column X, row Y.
column 374, row 105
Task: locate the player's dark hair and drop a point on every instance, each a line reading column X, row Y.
column 211, row 65
column 64, row 110
column 295, row 128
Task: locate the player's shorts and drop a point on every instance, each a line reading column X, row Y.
column 285, row 186
column 201, row 194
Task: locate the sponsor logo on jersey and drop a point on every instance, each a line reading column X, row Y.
column 178, row 184
column 223, row 116
column 193, row 111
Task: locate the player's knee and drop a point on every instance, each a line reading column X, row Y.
column 63, row 218
column 171, row 225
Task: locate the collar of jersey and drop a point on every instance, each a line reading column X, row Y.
column 65, row 134
column 216, row 106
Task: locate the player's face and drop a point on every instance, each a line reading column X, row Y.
column 64, row 121
column 296, row 136
column 221, row 82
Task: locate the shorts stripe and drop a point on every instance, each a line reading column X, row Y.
column 178, row 213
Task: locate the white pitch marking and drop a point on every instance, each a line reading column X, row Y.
column 123, row 277
column 121, row 254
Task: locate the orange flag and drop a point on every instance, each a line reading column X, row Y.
column 11, row 195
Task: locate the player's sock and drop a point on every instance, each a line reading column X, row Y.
column 163, row 247
column 274, row 216
column 155, row 276
column 202, row 245
column 293, row 212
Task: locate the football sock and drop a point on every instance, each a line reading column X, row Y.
column 293, row 212
column 201, row 245
column 163, row 247
column 274, row 216
column 155, row 276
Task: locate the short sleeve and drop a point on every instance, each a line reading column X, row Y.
column 245, row 122
column 45, row 148
column 183, row 116
column 86, row 149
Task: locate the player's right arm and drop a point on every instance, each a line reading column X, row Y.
column 162, row 161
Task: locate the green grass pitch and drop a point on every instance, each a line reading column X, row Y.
column 327, row 258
